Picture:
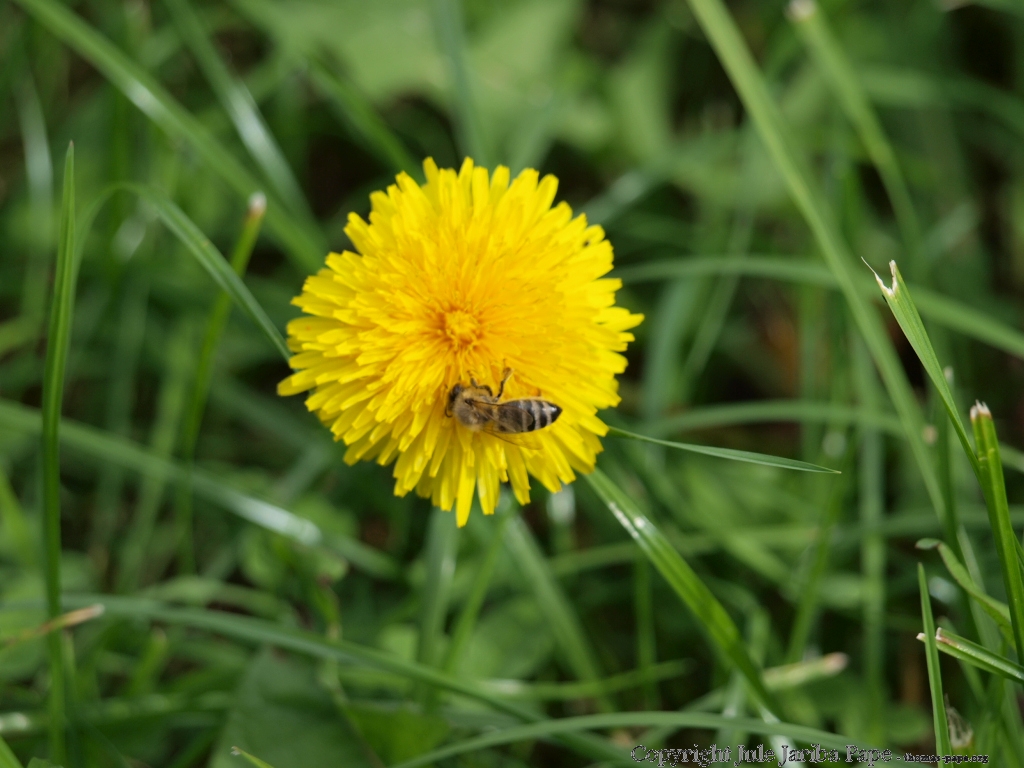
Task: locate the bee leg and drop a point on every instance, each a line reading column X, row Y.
column 505, row 377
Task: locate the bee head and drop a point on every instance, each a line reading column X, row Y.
column 456, row 391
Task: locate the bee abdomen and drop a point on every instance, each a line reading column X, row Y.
column 544, row 413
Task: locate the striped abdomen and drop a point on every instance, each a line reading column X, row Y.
column 526, row 415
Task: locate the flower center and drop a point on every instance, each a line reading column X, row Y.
column 462, row 328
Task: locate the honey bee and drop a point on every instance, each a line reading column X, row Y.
column 476, row 407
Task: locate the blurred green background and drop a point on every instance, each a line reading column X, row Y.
column 907, row 116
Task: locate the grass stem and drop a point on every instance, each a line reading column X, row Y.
column 58, row 339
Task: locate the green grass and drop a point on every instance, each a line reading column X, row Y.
column 264, row 603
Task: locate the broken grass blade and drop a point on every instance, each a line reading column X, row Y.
column 251, row 758
column 961, row 648
column 999, row 612
column 905, row 311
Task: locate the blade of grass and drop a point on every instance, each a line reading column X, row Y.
column 807, row 605
column 69, row 619
column 646, row 645
column 938, row 308
column 358, row 113
column 58, row 340
column 568, row 691
column 735, row 56
column 554, row 604
column 441, row 550
column 678, row 720
column 252, row 759
column 215, row 323
column 101, row 446
column 669, row 325
column 122, row 712
column 301, row 239
column 120, row 394
column 213, row 262
column 194, row 750
column 200, row 247
column 775, row 678
column 710, row 326
column 871, row 504
column 7, row 757
column 991, row 477
column 481, row 582
column 451, row 34
column 905, row 311
column 965, row 650
column 934, row 671
column 726, row 453
column 39, row 175
column 999, row 612
column 236, row 100
column 16, row 526
column 759, row 411
column 810, row 22
column 258, row 632
column 135, row 547
column 711, row 616
column 18, row 331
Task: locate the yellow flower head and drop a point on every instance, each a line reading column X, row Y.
column 462, row 279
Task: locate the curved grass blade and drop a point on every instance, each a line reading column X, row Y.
column 213, row 262
column 904, row 310
column 653, row 673
column 738, row 62
column 238, row 103
column 759, row 411
column 441, row 548
column 215, row 323
column 252, row 759
column 726, row 453
column 986, row 463
column 58, row 340
column 301, row 240
column 202, row 249
column 7, row 757
column 999, row 612
column 364, row 122
column 934, row 671
column 451, row 33
column 810, row 22
column 119, row 712
column 260, row 632
column 795, row 269
column 481, row 582
column 965, row 650
column 101, row 446
column 554, row 604
column 676, row 720
column 39, row 178
column 711, row 616
column 807, row 605
column 943, row 310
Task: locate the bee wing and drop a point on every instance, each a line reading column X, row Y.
column 525, row 440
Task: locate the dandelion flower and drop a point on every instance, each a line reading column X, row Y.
column 461, row 279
